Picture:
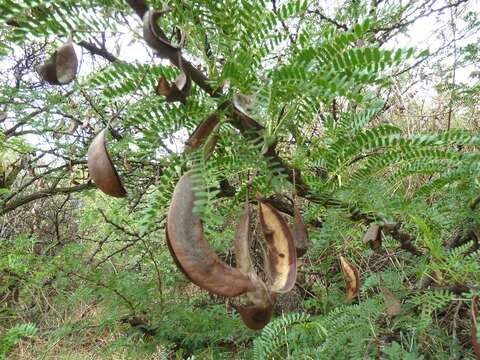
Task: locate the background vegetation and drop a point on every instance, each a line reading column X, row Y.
column 363, row 124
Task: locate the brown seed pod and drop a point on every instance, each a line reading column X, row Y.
column 191, row 250
column 101, row 168
column 156, row 38
column 474, row 331
column 373, row 237
column 352, row 279
column 178, row 91
column 202, row 132
column 3, row 117
column 61, row 67
column 257, row 311
column 299, row 232
column 281, row 254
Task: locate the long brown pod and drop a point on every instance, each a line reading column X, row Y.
column 61, row 67
column 352, row 279
column 258, row 310
column 474, row 332
column 156, row 38
column 202, row 132
column 281, row 253
column 194, row 255
column 101, row 168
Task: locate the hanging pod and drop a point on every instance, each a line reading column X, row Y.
column 300, row 232
column 61, row 67
column 176, row 92
column 257, row 311
column 191, row 251
column 281, row 264
column 202, row 132
column 101, row 168
column 156, row 38
column 352, row 279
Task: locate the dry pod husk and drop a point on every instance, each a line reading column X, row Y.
column 373, row 237
column 176, row 92
column 192, row 252
column 202, row 132
column 281, row 254
column 156, row 38
column 300, row 233
column 257, row 311
column 3, row 117
column 474, row 331
column 61, row 67
column 101, row 168
column 394, row 305
column 352, row 279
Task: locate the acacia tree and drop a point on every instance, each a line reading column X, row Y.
column 301, row 102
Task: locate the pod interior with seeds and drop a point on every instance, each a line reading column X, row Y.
column 101, row 167
column 281, row 253
column 257, row 309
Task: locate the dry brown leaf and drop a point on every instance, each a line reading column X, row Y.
column 192, row 252
column 352, row 279
column 101, row 168
column 281, row 253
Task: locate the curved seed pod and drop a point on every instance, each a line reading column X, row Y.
column 352, row 279
column 61, row 67
column 299, row 232
column 156, row 38
column 281, row 254
column 373, row 237
column 257, row 313
column 202, row 132
column 474, row 331
column 176, row 92
column 3, row 117
column 189, row 247
column 101, row 168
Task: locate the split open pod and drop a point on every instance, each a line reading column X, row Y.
column 156, row 38
column 177, row 91
column 101, row 167
column 281, row 253
column 191, row 251
column 61, row 67
column 257, row 307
